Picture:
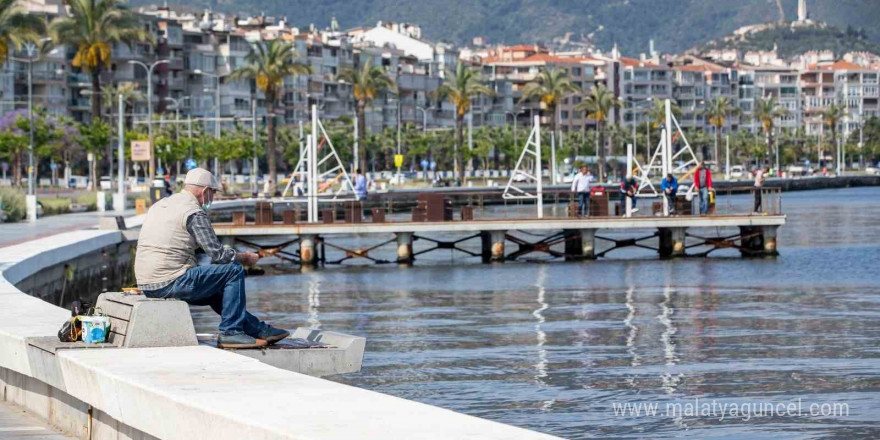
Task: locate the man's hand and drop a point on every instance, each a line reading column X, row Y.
column 247, row 258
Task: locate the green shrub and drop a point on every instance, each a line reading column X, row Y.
column 90, row 200
column 13, row 203
column 53, row 206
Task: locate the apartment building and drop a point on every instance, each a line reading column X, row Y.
column 509, row 69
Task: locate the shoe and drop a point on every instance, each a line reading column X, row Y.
column 240, row 340
column 272, row 335
column 635, row 210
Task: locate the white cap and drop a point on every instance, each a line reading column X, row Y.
column 202, row 177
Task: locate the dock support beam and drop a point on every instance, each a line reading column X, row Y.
column 493, row 246
column 758, row 241
column 404, row 248
column 307, row 250
column 672, row 242
column 770, row 240
column 580, row 244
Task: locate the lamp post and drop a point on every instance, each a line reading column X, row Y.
column 149, row 68
column 217, row 109
column 424, row 119
column 119, row 197
column 633, row 103
column 31, row 199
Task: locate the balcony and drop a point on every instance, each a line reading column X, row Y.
column 175, row 64
column 79, row 103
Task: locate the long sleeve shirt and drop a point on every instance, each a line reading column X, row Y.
column 199, row 226
column 581, row 183
column 672, row 186
column 360, row 187
column 699, row 183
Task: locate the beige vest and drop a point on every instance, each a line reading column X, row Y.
column 165, row 249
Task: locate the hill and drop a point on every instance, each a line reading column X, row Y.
column 675, row 25
column 790, row 41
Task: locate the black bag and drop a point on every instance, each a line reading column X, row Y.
column 71, row 330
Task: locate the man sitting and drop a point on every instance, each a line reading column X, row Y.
column 165, row 265
column 628, row 189
column 669, row 185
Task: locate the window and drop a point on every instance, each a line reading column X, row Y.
column 576, row 71
column 564, row 115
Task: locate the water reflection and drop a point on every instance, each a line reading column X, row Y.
column 552, row 346
column 314, row 299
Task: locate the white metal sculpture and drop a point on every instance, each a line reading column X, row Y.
column 319, row 162
column 524, row 177
column 664, row 161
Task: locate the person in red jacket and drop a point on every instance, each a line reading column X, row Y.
column 703, row 183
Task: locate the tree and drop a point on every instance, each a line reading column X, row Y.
column 460, row 86
column 130, row 94
column 717, row 112
column 367, row 82
column 550, row 87
column 766, row 111
column 832, row 117
column 17, row 27
column 93, row 27
column 598, row 105
column 94, row 137
column 268, row 64
column 657, row 113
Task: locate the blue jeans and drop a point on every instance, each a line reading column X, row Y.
column 220, row 286
column 704, row 200
column 583, row 204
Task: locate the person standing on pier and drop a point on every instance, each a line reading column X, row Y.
column 165, row 263
column 581, row 187
column 360, row 185
column 669, row 185
column 703, row 182
column 759, row 182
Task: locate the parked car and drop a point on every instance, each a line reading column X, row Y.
column 737, row 172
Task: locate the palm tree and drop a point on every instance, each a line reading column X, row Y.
column 367, row 82
column 92, row 27
column 598, row 105
column 831, row 117
column 130, row 93
column 459, row 87
column 716, row 113
column 268, row 64
column 766, row 111
column 17, row 27
column 549, row 87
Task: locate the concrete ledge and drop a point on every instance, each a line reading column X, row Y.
column 200, row 392
column 187, row 392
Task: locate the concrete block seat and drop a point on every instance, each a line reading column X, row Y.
column 137, row 321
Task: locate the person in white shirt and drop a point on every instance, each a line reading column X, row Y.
column 581, row 187
column 759, row 182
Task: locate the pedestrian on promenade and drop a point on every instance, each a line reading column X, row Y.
column 703, row 182
column 759, row 182
column 628, row 189
column 669, row 186
column 360, row 185
column 580, row 186
column 165, row 263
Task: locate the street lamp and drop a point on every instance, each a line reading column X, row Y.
column 216, row 104
column 424, row 119
column 32, row 191
column 633, row 106
column 149, row 69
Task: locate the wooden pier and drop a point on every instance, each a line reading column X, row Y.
column 756, row 236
